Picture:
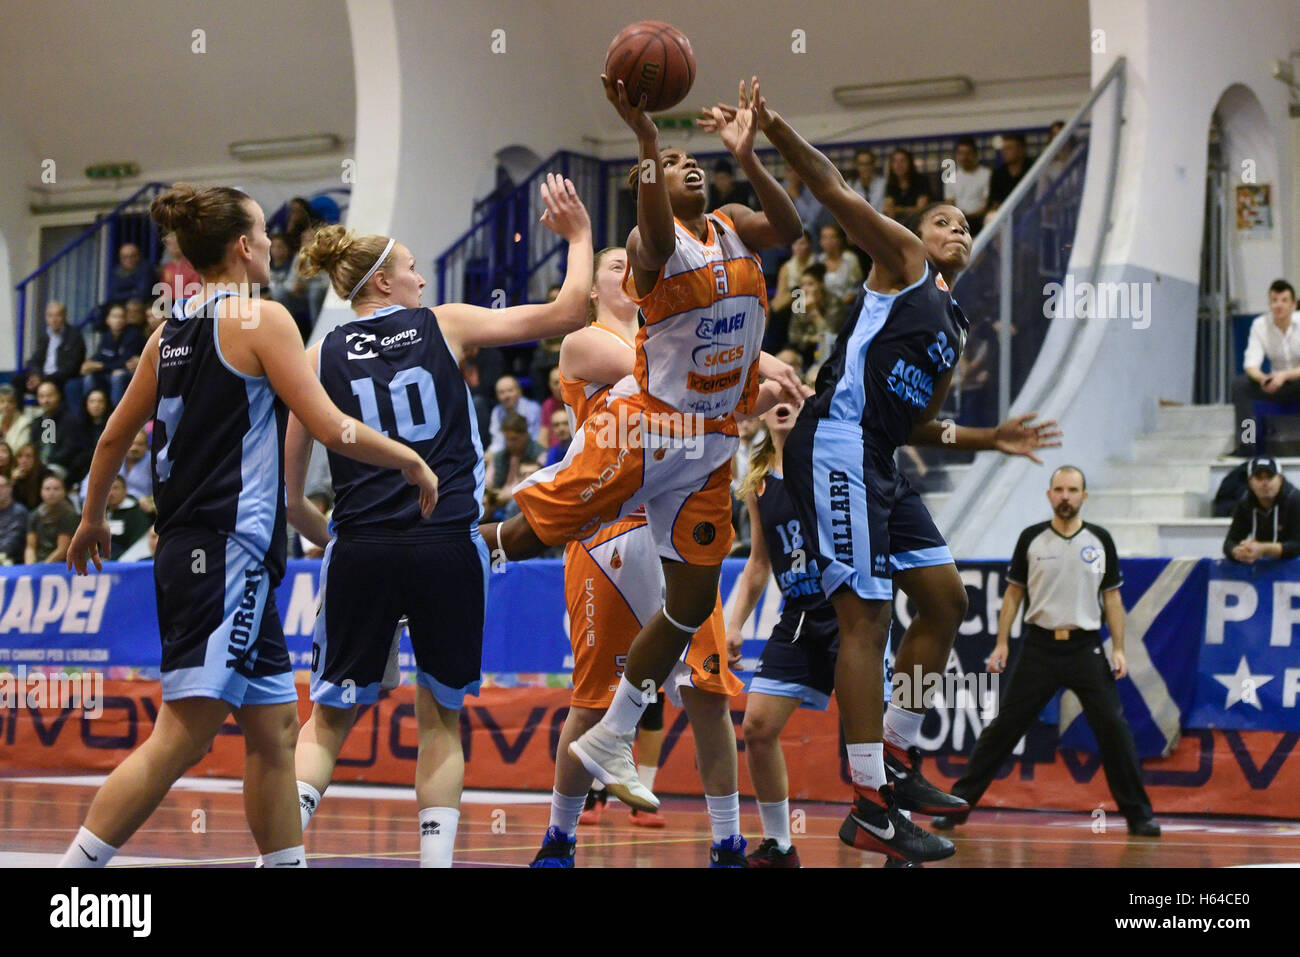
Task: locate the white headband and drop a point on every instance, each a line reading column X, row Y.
column 364, row 279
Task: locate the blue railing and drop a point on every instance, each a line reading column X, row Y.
column 500, row 258
column 77, row 275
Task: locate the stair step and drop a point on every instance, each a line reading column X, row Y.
column 1162, row 446
column 1188, row 538
column 1191, row 476
column 1217, row 419
column 1145, row 503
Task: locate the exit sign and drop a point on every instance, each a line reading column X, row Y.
column 112, row 171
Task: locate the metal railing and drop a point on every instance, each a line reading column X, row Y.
column 500, row 258
column 78, row 274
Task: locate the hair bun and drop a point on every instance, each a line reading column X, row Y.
column 176, row 208
column 326, row 251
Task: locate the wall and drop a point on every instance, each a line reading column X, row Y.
column 17, row 238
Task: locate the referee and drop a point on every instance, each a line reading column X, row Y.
column 1069, row 570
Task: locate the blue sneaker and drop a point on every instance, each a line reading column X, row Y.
column 557, row 849
column 728, row 853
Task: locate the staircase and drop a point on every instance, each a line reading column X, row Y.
column 1158, row 500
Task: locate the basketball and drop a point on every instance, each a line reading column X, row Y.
column 654, row 60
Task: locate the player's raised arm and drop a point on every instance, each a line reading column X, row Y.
column 778, row 223
column 275, row 341
column 595, row 356
column 893, row 248
column 566, row 216
column 655, row 236
column 1017, row 436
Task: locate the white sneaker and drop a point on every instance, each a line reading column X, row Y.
column 608, row 758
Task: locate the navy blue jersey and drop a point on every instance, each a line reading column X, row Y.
column 800, row 584
column 888, row 358
column 218, row 440
column 395, row 372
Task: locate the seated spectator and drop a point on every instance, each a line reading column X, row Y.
column 15, row 421
column 544, row 364
column 315, row 288
column 131, row 278
column 51, row 526
column 906, row 190
column 511, row 400
column 143, row 549
column 561, row 436
column 59, row 350
column 298, row 219
column 790, row 276
column 138, row 471
column 843, row 278
column 811, row 212
column 285, row 282
column 868, row 183
column 127, row 523
column 1015, row 164
column 1266, row 522
column 28, row 474
column 808, row 321
column 469, row 368
column 181, row 279
column 554, row 401
column 106, row 369
column 504, row 465
column 56, row 432
column 95, row 411
column 725, row 188
column 969, row 189
column 13, row 525
column 6, row 459
column 1274, row 335
column 792, row 358
column 154, row 318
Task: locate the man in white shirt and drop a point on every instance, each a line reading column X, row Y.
column 967, row 185
column 1275, row 335
column 869, row 184
column 511, row 398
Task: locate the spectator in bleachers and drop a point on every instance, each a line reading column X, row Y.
column 285, row 283
column 969, row 189
column 59, row 350
column 789, row 277
column 1266, row 521
column 1015, row 164
column 15, row 421
column 154, row 317
column 811, row 212
column 56, row 432
column 13, row 525
column 554, row 401
column 1275, row 336
column 313, row 290
column 725, row 188
column 28, row 474
column 808, row 317
column 132, row 277
column 178, row 275
column 127, row 523
column 137, row 317
column 511, row 400
column 106, row 369
column 6, row 459
column 469, row 368
column 906, row 191
column 792, row 358
column 561, row 436
column 95, row 411
column 138, row 472
column 843, row 276
column 299, row 218
column 975, row 382
column 868, row 183
column 51, row 526
column 503, row 465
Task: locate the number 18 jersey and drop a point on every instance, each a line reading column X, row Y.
column 394, row 371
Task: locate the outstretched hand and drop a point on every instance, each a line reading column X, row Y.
column 93, row 539
column 565, row 214
column 1020, row 436
column 634, row 116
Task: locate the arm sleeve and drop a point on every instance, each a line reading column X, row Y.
column 1018, row 570
column 1254, row 358
column 1114, row 575
column 1237, row 530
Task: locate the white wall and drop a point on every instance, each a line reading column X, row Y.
column 1250, row 147
column 17, row 248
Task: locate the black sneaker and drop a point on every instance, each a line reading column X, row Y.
column 912, row 791
column 878, row 825
column 946, row 822
column 557, row 849
column 728, row 853
column 1146, row 827
column 769, row 855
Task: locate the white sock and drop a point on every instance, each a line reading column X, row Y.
column 597, row 785
column 438, row 835
column 902, row 726
column 626, row 709
column 867, row 765
column 724, row 815
column 87, row 851
column 565, row 811
column 776, row 822
column 646, row 772
column 308, row 801
column 289, row 857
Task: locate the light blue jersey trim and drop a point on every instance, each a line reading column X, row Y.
column 922, row 558
column 848, row 401
column 259, row 471
column 453, row 699
column 386, row 311
column 810, row 697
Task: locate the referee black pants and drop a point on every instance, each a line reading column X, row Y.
column 1080, row 666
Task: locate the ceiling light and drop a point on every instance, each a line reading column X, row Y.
column 288, row 146
column 871, row 94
